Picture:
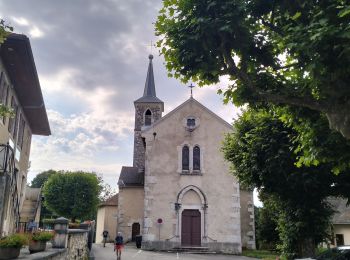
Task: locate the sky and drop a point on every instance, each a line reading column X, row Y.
column 92, row 58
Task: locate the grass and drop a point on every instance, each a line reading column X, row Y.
column 261, row 254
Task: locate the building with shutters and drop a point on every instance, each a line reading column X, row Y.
column 20, row 90
column 179, row 191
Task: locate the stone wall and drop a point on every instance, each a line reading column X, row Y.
column 76, row 248
column 247, row 219
column 77, row 244
column 213, row 191
column 139, row 146
column 130, row 203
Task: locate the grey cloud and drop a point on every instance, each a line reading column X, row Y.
column 105, row 41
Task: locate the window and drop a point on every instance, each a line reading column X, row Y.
column 13, row 120
column 148, row 117
column 196, row 158
column 185, row 158
column 21, row 131
column 191, row 122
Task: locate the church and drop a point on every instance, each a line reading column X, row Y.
column 179, row 192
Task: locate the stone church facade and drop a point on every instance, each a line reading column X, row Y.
column 179, row 191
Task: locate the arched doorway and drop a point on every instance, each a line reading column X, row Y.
column 191, row 228
column 135, row 231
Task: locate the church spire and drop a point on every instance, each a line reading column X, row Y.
column 150, row 88
column 149, row 93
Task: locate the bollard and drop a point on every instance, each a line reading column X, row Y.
column 61, row 233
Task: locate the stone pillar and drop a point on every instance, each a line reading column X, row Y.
column 61, row 233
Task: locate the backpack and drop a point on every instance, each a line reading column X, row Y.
column 119, row 240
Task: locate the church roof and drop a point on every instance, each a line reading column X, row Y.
column 342, row 211
column 191, row 99
column 130, row 177
column 149, row 93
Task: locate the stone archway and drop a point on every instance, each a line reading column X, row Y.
column 191, row 206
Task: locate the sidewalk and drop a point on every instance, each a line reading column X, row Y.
column 133, row 253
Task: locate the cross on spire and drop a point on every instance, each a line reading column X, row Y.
column 191, row 87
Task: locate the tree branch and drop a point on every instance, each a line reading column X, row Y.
column 263, row 95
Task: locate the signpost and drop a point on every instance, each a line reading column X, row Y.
column 159, row 222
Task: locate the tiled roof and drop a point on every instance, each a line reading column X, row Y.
column 112, row 201
column 130, row 176
column 342, row 214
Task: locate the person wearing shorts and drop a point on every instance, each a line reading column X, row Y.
column 119, row 245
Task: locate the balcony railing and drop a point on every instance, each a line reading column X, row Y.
column 7, row 167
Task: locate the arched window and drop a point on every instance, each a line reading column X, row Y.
column 148, row 117
column 196, row 158
column 185, row 158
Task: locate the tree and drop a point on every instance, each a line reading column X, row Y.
column 72, row 194
column 40, row 179
column 5, row 30
column 267, row 236
column 261, row 151
column 278, row 51
column 38, row 182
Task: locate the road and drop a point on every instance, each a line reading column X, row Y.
column 132, row 253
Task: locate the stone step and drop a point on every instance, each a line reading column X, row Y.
column 192, row 250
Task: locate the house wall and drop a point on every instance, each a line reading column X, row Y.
column 7, row 214
column 342, row 229
column 130, row 205
column 101, row 215
column 221, row 222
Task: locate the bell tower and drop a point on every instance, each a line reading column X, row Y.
column 148, row 110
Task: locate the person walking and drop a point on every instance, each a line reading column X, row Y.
column 119, row 245
column 105, row 235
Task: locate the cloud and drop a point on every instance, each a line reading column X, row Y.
column 91, row 58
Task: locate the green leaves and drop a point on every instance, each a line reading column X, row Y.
column 72, row 194
column 5, row 30
column 255, row 43
column 268, row 152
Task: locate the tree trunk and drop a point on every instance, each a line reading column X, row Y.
column 306, row 247
column 339, row 120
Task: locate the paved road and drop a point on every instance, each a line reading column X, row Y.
column 132, row 253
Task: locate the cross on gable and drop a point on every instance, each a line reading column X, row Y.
column 191, row 87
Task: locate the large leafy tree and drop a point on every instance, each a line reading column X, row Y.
column 277, row 51
column 72, row 194
column 41, row 178
column 262, row 154
column 38, row 182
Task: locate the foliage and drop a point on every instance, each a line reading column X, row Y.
column 78, row 194
column 261, row 254
column 262, row 155
column 106, row 191
column 42, row 236
column 5, row 30
column 38, row 182
column 15, row 240
column 281, row 52
column 266, row 227
column 40, row 179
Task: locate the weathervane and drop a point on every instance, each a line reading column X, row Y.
column 191, row 87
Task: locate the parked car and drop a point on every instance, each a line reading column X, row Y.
column 336, row 253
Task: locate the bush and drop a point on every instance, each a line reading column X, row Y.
column 15, row 240
column 42, row 236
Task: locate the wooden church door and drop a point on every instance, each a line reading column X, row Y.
column 191, row 228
